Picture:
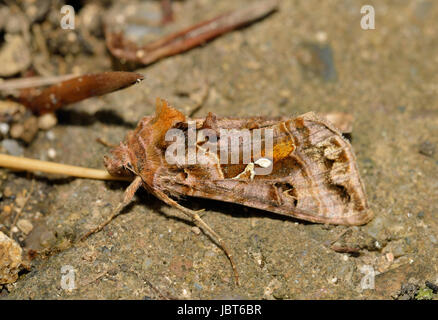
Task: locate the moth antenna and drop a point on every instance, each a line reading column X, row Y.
column 127, row 197
column 203, row 226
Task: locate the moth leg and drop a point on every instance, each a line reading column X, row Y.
column 203, row 226
column 127, row 197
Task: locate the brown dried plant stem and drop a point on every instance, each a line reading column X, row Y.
column 187, row 38
column 42, row 101
column 32, row 165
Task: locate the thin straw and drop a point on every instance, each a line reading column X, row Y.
column 26, row 164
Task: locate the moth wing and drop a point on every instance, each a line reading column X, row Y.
column 317, row 180
column 341, row 120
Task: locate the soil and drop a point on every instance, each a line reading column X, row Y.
column 309, row 56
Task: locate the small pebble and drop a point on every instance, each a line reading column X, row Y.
column 25, row 226
column 432, row 286
column 196, row 230
column 7, row 209
column 46, row 239
column 47, row 121
column 21, row 200
column 427, row 148
column 30, row 126
column 12, row 147
column 17, row 130
column 7, row 192
column 390, row 257
column 50, row 135
column 51, row 153
column 25, row 131
column 4, row 128
column 433, row 239
column 321, row 36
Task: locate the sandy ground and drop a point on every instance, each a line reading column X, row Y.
column 309, row 56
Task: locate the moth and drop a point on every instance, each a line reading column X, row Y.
column 312, row 174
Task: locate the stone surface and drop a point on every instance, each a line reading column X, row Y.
column 10, row 259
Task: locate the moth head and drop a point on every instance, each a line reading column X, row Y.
column 117, row 163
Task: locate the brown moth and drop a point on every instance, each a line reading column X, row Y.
column 313, row 172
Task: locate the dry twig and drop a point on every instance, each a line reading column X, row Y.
column 32, row 165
